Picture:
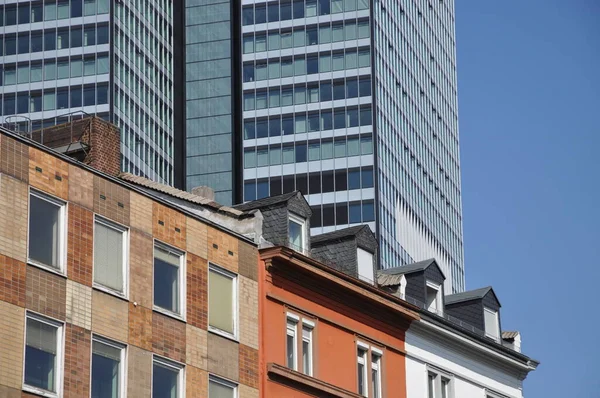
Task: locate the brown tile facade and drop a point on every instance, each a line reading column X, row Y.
column 86, row 311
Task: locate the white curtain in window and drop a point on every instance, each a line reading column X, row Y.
column 41, row 336
column 218, row 390
column 491, row 322
column 108, row 257
column 220, row 312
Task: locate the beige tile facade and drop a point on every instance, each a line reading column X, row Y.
column 86, row 311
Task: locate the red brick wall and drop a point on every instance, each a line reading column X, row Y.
column 80, row 247
column 105, row 142
column 77, row 361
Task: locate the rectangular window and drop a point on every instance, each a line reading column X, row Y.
column 110, row 256
column 46, row 231
column 291, row 343
column 361, row 358
column 491, row 323
column 167, row 379
column 219, row 388
column 297, row 232
column 439, row 385
column 43, row 356
column 169, row 276
column 307, row 363
column 222, row 301
column 108, row 369
column 376, row 375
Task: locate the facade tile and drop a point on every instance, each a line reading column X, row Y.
column 141, row 268
column 48, row 173
column 169, row 226
column 110, row 316
column 248, row 366
column 12, row 281
column 197, row 291
column 14, row 158
column 77, row 361
column 196, row 347
column 80, row 244
column 247, row 392
column 140, row 326
column 46, row 293
column 196, row 382
column 141, row 212
column 14, row 202
column 79, row 305
column 111, row 200
column 223, row 249
column 12, row 325
column 223, row 357
column 248, row 312
column 139, row 373
column 248, row 260
column 168, row 337
column 196, row 237
column 81, row 187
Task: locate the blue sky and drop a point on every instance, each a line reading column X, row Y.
column 529, row 112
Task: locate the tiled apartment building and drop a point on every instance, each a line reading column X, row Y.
column 110, row 287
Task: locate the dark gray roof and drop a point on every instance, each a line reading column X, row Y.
column 469, row 295
column 409, row 268
column 315, row 240
column 266, row 202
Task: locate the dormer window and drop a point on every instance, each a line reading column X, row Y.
column 297, row 232
column 434, row 298
column 492, row 325
column 365, row 265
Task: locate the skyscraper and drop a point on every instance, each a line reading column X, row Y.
column 61, row 58
column 354, row 103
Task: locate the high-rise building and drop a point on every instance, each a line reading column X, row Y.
column 354, row 103
column 67, row 58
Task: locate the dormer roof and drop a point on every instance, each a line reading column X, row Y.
column 476, row 294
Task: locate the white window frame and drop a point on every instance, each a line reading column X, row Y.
column 439, row 306
column 224, row 382
column 215, row 268
column 125, row 232
column 60, row 338
column 377, row 367
column 123, row 366
column 485, row 326
column 62, row 231
column 310, row 326
column 438, row 376
column 362, row 359
column 168, row 363
column 302, row 222
column 181, row 280
column 493, row 394
column 292, row 330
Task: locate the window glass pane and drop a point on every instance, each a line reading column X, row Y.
column 353, row 147
column 274, row 126
column 103, row 64
column 299, row 95
column 44, row 231
column 248, row 44
column 102, row 34
column 23, row 74
column 249, row 191
column 62, row 40
column 291, row 345
column 274, row 156
column 89, row 67
column 248, row 15
column 261, row 43
column 220, row 301
column 325, row 34
column 326, row 120
column 352, row 118
column 349, row 5
column 288, row 154
column 261, row 100
column 368, row 212
column 262, row 157
column 286, row 40
column 166, row 279
column 312, row 36
column 249, row 159
column 62, row 98
column 338, row 61
column 311, row 8
column 89, row 36
column 76, row 97
column 63, row 69
column 274, row 98
column 103, row 6
column 312, row 66
column 273, row 11
column 338, row 32
column 351, row 59
column 366, row 145
column 23, row 43
column 49, row 11
column 355, row 213
column 354, row 179
column 365, row 116
column 285, row 10
column 24, row 13
column 295, row 235
column 364, row 58
column 367, row 178
column 363, row 30
column 337, row 6
column 249, row 101
column 260, row 14
column 37, row 42
column 339, row 119
column 313, row 94
column 49, row 70
column 327, row 150
column 299, row 37
column 273, row 69
column 10, row 45
column 274, row 41
column 108, row 257
column 89, row 7
column 106, row 370
column 350, row 30
column 261, row 71
column 248, row 72
column 339, row 91
column 287, row 68
column 164, row 381
column 36, row 73
column 365, row 87
column 313, row 122
column 351, row 88
column 300, row 124
column 10, row 75
column 76, row 68
column 262, row 128
column 298, row 9
column 249, row 129
column 287, row 125
column 63, row 9
column 363, row 4
column 287, row 97
column 41, row 355
column 220, row 390
column 314, row 151
column 49, row 101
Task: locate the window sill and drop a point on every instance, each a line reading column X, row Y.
column 221, row 333
column 168, row 313
column 108, row 290
column 39, row 391
column 48, row 268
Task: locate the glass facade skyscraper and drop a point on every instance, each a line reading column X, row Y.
column 111, row 59
column 354, row 103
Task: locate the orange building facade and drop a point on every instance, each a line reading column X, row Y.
column 324, row 333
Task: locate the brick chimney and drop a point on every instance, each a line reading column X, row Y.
column 91, row 140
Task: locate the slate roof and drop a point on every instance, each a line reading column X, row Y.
column 393, row 276
column 466, row 296
column 509, row 335
column 266, row 202
column 339, row 234
column 179, row 194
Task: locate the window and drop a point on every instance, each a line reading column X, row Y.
column 369, row 383
column 219, row 388
column 491, row 324
column 108, row 359
column 296, row 229
column 222, row 301
column 46, row 231
column 434, row 297
column 43, row 356
column 169, row 279
column 365, row 265
column 439, row 385
column 110, row 256
column 167, row 378
column 297, row 326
